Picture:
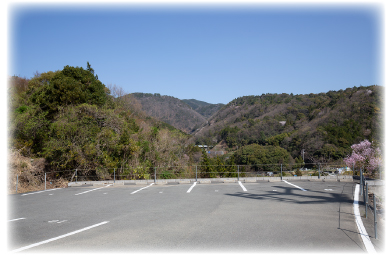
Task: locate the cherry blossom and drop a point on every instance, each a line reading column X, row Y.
column 364, row 155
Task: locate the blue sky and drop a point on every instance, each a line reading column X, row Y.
column 213, row 54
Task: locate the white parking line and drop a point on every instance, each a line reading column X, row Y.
column 190, row 189
column 141, row 189
column 59, row 237
column 365, row 237
column 92, row 190
column 17, row 219
column 242, row 186
column 39, row 192
column 294, row 185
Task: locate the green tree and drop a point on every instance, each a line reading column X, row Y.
column 220, row 167
column 231, row 167
column 299, row 162
column 207, row 170
column 71, row 86
column 28, row 128
column 263, row 157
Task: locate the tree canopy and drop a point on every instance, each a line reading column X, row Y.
column 71, row 86
column 256, row 154
column 69, row 119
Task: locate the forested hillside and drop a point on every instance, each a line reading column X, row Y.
column 325, row 125
column 203, row 108
column 68, row 120
column 170, row 110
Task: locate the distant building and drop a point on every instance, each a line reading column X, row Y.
column 205, row 147
column 342, row 170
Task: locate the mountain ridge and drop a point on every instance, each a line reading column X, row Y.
column 171, row 110
column 324, row 124
column 203, row 108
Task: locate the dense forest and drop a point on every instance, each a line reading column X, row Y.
column 324, row 125
column 170, row 110
column 64, row 120
column 68, row 119
column 203, row 108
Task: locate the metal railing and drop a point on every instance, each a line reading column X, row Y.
column 364, row 191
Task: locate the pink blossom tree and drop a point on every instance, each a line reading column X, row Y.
column 364, row 155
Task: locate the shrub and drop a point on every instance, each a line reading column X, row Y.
column 167, row 175
column 316, row 173
column 298, row 172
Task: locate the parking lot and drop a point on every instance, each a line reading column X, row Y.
column 234, row 217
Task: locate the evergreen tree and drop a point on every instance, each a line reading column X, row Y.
column 71, row 86
column 206, row 166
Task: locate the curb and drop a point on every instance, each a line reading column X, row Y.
column 204, row 181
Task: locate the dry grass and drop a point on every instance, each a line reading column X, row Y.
column 30, row 173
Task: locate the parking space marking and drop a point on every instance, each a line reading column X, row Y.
column 59, row 237
column 294, row 185
column 266, row 189
column 190, row 189
column 141, row 189
column 365, row 237
column 39, row 192
column 17, row 219
column 242, row 186
column 92, row 190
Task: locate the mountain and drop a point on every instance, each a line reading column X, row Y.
column 195, row 104
column 203, row 108
column 170, row 110
column 325, row 125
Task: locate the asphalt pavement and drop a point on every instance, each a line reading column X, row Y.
column 294, row 216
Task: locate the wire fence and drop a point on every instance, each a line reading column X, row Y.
column 208, row 171
column 54, row 179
